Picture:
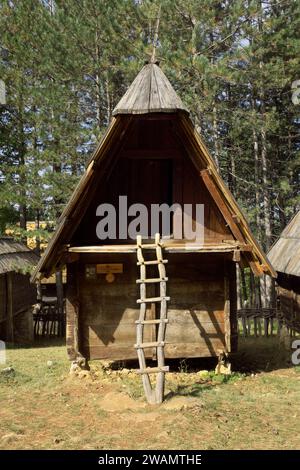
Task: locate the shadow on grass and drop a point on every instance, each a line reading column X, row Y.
column 261, row 355
column 254, row 355
column 194, row 390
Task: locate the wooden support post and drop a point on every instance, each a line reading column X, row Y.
column 231, row 325
column 60, row 301
column 9, row 312
column 72, row 310
column 227, row 314
column 39, row 293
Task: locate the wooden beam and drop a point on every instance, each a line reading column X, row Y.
column 214, row 192
column 255, row 266
column 236, row 256
column 171, row 248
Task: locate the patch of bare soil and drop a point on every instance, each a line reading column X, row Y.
column 115, row 401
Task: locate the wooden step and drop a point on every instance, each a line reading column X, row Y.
column 152, row 370
column 151, row 322
column 156, row 261
column 149, row 246
column 148, row 281
column 154, row 344
column 152, row 299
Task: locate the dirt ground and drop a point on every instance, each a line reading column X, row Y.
column 44, row 407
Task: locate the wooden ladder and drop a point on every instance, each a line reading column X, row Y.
column 153, row 395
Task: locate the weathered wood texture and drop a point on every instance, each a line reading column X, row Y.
column 259, row 322
column 73, row 335
column 17, row 296
column 9, row 309
column 232, row 323
column 24, row 293
column 285, row 253
column 285, row 257
column 15, row 256
column 196, row 326
column 150, row 92
column 155, row 181
column 3, row 297
column 288, row 292
column 154, row 394
column 196, row 312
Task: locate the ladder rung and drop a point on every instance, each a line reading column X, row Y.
column 155, row 344
column 153, row 370
column 148, row 281
column 152, row 299
column 149, row 246
column 151, row 322
column 156, row 261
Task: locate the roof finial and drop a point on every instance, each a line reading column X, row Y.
column 155, row 37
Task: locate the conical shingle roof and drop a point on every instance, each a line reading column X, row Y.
column 150, row 92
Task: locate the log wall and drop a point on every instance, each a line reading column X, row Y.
column 201, row 313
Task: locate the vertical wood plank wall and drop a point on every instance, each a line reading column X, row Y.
column 17, row 296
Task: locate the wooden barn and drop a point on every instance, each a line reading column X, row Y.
column 17, row 294
column 181, row 298
column 285, row 257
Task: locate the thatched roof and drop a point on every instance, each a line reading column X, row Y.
column 150, row 92
column 15, row 256
column 285, row 253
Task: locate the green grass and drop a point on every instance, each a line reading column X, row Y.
column 30, row 367
column 255, row 407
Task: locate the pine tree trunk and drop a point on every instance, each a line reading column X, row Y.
column 266, row 196
column 216, row 139
column 244, row 288
column 238, row 288
column 257, row 183
column 108, row 103
column 22, row 182
column 98, row 81
column 37, row 227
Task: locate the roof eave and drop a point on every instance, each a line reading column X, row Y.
column 150, row 111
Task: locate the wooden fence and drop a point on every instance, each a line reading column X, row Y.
column 259, row 322
column 49, row 319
